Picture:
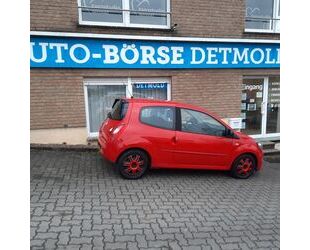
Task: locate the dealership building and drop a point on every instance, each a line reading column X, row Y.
column 221, row 55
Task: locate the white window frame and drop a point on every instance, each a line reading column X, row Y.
column 126, row 18
column 264, row 134
column 128, row 82
column 273, row 23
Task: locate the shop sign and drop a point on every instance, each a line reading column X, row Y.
column 235, row 123
column 150, row 85
column 64, row 52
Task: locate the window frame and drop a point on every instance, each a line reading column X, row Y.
column 160, row 106
column 99, row 82
column 273, row 22
column 126, row 18
column 179, row 124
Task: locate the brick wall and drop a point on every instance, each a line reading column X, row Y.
column 197, row 18
column 57, row 96
column 56, row 100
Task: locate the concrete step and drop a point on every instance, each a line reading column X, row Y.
column 271, row 151
column 268, row 145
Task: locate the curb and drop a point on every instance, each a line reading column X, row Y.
column 271, row 152
column 64, row 147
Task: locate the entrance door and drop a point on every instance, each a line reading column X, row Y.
column 260, row 107
column 252, row 105
column 273, row 106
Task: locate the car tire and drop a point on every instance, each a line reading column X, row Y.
column 133, row 164
column 243, row 167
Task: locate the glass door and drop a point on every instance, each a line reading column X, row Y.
column 252, row 106
column 273, row 106
column 260, row 107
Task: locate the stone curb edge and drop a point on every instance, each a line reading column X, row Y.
column 64, row 147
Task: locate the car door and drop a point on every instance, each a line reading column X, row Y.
column 201, row 141
column 158, row 129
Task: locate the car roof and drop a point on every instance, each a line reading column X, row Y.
column 164, row 102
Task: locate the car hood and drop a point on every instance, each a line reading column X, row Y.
column 244, row 136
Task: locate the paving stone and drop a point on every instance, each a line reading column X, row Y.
column 197, row 241
column 59, row 229
column 124, row 238
column 117, row 245
column 63, row 238
column 50, row 244
column 264, row 244
column 80, row 240
column 98, row 242
column 37, row 242
column 158, row 243
column 230, row 246
column 46, row 235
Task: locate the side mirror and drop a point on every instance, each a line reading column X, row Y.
column 230, row 133
column 109, row 115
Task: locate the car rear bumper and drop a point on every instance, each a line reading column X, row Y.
column 107, row 149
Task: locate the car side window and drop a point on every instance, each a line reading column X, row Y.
column 200, row 123
column 161, row 117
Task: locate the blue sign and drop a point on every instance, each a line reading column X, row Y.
column 150, row 85
column 62, row 52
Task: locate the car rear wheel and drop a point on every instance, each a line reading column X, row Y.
column 243, row 167
column 133, row 164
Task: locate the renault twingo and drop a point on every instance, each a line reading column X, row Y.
column 140, row 134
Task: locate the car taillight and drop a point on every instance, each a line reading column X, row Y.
column 116, row 129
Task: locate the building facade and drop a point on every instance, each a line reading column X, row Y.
column 221, row 55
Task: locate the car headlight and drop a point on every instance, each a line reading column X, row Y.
column 260, row 145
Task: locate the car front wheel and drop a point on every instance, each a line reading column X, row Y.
column 133, row 164
column 243, row 167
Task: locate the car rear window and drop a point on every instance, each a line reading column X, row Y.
column 161, row 117
column 119, row 110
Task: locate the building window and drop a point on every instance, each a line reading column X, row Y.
column 126, row 13
column 262, row 16
column 100, row 95
column 100, row 101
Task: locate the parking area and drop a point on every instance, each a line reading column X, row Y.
column 78, row 201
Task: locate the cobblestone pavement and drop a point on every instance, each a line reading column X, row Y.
column 78, row 201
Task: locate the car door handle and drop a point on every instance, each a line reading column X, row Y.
column 174, row 139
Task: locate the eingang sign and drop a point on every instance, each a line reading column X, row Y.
column 64, row 52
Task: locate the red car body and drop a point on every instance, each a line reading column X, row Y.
column 173, row 148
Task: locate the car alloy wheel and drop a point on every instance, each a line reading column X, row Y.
column 133, row 164
column 244, row 166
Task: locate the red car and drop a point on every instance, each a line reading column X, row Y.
column 139, row 134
